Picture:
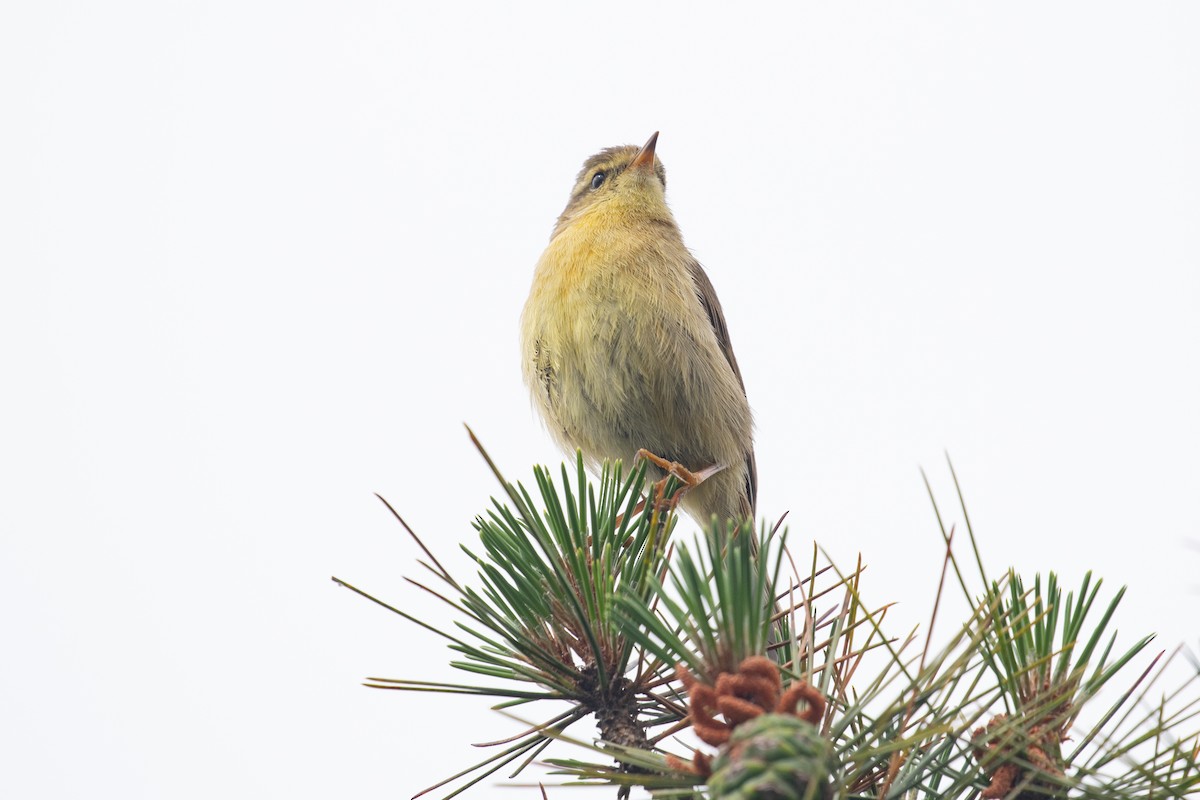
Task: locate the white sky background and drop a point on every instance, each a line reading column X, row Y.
column 261, row 260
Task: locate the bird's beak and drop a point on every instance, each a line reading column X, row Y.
column 645, row 156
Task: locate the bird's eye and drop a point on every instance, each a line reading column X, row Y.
column 597, row 179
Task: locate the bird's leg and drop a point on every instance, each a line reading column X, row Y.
column 689, row 479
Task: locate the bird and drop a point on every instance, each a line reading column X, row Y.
column 625, row 347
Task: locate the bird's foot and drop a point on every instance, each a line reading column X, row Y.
column 687, row 477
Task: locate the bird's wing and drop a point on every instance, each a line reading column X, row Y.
column 712, row 307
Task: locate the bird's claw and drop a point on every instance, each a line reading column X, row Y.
column 687, row 477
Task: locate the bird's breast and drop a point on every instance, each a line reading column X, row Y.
column 600, row 289
column 619, row 351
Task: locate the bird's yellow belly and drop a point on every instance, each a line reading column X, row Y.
column 614, row 360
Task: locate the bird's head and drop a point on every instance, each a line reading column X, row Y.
column 618, row 181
